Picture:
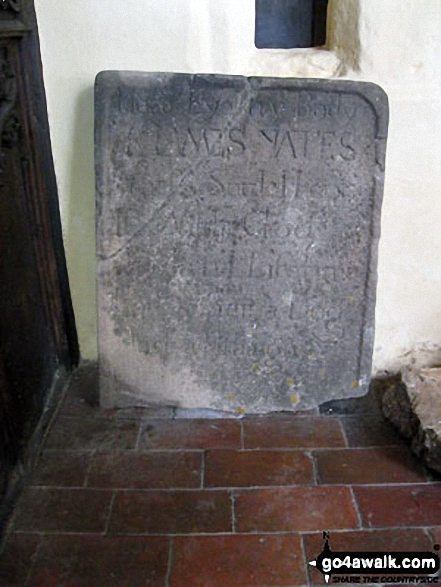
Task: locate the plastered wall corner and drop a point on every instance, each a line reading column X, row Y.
column 343, row 36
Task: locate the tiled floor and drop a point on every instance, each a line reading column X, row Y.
column 123, row 500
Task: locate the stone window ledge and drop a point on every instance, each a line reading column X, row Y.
column 311, row 62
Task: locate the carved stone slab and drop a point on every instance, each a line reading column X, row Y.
column 238, row 221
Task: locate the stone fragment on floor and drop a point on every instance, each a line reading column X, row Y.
column 413, row 405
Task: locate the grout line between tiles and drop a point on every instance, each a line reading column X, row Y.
column 343, row 433
column 233, row 512
column 302, row 448
column 89, row 467
column 170, row 562
column 138, row 437
column 315, row 475
column 227, row 448
column 406, row 528
column 430, row 535
column 33, row 561
column 305, row 562
column 109, row 515
column 203, row 464
column 242, row 435
column 357, row 509
column 419, row 484
column 98, row 414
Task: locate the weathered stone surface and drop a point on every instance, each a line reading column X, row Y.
column 414, row 406
column 238, row 222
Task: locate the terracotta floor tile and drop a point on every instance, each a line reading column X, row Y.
column 229, row 468
column 159, row 493
column 370, row 465
column 62, row 510
column 153, row 470
column 171, row 512
column 88, row 433
column 16, row 558
column 294, row 509
column 61, row 468
column 413, row 505
column 101, row 561
column 370, row 431
column 191, row 434
column 291, row 432
column 364, row 541
column 237, row 561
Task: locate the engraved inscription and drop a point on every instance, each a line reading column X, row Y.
column 237, row 227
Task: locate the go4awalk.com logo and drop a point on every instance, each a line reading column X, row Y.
column 377, row 567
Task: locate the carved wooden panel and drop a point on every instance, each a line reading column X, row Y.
column 37, row 331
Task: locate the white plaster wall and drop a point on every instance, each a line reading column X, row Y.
column 397, row 45
column 400, row 50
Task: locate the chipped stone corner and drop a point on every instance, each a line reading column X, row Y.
column 412, row 402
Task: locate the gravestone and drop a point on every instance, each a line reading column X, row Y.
column 238, row 221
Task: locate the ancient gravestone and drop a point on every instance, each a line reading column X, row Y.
column 238, row 221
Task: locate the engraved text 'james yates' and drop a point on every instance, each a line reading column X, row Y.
column 238, row 223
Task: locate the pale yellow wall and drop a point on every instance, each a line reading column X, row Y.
column 395, row 44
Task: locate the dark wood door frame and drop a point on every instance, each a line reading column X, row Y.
column 38, row 339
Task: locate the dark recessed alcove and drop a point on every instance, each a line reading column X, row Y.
column 289, row 24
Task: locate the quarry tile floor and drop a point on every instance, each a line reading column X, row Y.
column 124, row 499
